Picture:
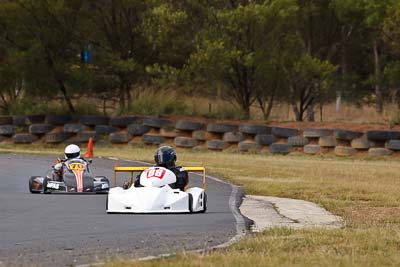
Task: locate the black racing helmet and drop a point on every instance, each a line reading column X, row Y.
column 165, row 156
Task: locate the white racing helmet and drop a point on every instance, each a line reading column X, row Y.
column 72, row 151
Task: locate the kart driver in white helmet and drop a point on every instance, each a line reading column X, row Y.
column 71, row 152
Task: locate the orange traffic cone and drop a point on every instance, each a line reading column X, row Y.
column 89, row 151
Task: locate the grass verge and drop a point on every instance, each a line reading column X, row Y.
column 364, row 191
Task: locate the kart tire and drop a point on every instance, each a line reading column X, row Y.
column 119, row 138
column 204, row 203
column 187, row 142
column 217, row 144
column 190, row 203
column 40, row 128
column 107, row 203
column 20, row 120
column 346, row 135
column 155, row 122
column 380, row 135
column 44, row 189
column 58, row 119
column 393, row 145
column 93, row 120
column 327, row 141
column 187, row 125
column 36, row 119
column 298, row 141
column 152, row 139
column 254, row 129
column 73, row 128
column 4, row 120
column 55, row 138
column 31, row 186
column 124, row 121
column 7, row 130
column 233, row 137
column 138, row 129
column 24, row 138
column 105, row 129
column 221, row 128
column 285, row 132
column 379, row 151
column 316, row 133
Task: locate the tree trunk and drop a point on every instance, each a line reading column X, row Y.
column 378, row 90
column 310, row 111
column 297, row 113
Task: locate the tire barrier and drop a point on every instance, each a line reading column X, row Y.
column 379, row 135
column 316, row 133
column 56, row 138
column 327, row 141
column 199, row 135
column 221, row 128
column 360, row 143
column 276, row 148
column 73, row 128
column 20, row 120
column 346, row 135
column 7, row 130
column 155, row 122
column 138, row 129
column 105, row 129
column 150, row 139
column 124, row 121
column 284, row 132
column 186, row 125
column 93, row 120
column 40, row 128
column 83, row 137
column 119, row 138
column 297, row 141
column 196, row 134
column 254, row 129
column 187, row 142
column 233, row 137
column 344, row 151
column 24, row 138
column 393, row 145
column 246, row 146
column 4, row 120
column 36, row 119
column 57, row 119
column 379, row 151
column 217, row 145
column 312, row 149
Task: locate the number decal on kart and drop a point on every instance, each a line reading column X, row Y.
column 77, row 166
column 53, row 185
column 155, row 173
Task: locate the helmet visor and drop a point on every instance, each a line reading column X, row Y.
column 72, row 155
column 163, row 158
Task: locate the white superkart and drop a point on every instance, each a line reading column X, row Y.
column 155, row 194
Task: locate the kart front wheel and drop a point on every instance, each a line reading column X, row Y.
column 190, row 203
column 44, row 190
column 204, row 203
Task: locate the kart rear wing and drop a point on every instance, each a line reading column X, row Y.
column 140, row 169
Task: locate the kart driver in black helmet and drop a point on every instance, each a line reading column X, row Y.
column 165, row 156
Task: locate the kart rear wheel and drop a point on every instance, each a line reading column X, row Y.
column 107, row 203
column 190, row 203
column 204, row 203
column 44, row 189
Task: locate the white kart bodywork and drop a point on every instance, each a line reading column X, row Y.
column 156, row 195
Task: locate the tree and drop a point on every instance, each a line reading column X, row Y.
column 235, row 49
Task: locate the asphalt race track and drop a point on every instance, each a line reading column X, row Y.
column 65, row 230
